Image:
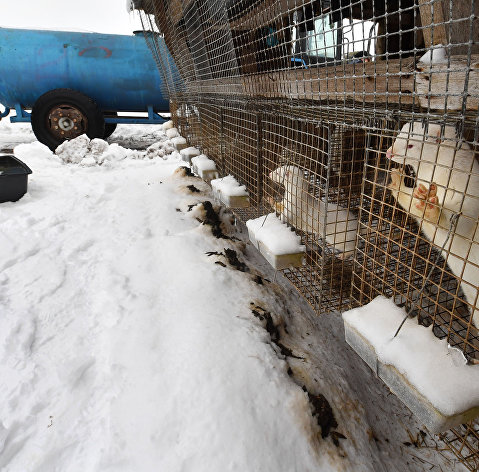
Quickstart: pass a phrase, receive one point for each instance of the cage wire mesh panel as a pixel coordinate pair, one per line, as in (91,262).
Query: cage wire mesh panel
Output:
(356,121)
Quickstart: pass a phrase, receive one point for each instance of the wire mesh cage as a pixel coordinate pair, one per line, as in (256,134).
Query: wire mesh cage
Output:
(356,122)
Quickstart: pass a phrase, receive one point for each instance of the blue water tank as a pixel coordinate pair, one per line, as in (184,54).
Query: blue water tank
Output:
(117,71)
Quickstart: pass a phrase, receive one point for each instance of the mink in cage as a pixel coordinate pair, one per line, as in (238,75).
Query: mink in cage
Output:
(445,200)
(307,213)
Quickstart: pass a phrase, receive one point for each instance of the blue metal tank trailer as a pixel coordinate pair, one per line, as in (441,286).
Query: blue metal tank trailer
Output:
(76,83)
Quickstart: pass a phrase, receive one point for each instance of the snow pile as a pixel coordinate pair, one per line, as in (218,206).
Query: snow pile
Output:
(436,370)
(229,186)
(160,149)
(91,152)
(274,234)
(123,347)
(436,55)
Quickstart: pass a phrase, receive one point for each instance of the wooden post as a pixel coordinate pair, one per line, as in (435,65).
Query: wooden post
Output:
(441,26)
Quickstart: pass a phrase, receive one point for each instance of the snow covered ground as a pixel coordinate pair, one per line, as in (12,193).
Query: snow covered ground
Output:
(128,342)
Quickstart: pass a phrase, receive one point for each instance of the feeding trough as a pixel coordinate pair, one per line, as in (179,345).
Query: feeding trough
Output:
(13,178)
(230,192)
(432,379)
(278,244)
(204,167)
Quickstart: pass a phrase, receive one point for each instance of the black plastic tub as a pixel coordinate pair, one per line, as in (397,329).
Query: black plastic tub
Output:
(13,178)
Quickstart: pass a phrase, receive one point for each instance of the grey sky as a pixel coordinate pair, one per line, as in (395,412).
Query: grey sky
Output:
(102,16)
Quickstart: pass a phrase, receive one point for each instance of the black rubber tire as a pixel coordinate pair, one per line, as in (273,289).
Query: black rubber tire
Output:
(110,127)
(80,115)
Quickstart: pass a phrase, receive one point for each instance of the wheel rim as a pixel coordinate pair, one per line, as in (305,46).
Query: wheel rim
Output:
(66,122)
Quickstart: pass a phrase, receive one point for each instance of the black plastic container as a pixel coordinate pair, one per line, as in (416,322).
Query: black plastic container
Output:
(13,178)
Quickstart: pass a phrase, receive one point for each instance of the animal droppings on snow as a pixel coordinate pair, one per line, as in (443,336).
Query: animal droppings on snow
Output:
(183,171)
(273,233)
(436,55)
(436,370)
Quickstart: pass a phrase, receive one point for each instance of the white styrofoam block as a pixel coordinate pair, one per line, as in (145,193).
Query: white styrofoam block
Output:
(208,175)
(230,192)
(204,168)
(167,125)
(281,261)
(429,377)
(172,133)
(179,142)
(188,153)
(278,244)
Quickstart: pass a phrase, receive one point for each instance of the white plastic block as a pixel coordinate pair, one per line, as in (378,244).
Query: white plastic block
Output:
(172,133)
(179,142)
(188,153)
(278,244)
(234,201)
(281,261)
(429,377)
(208,175)
(205,168)
(230,192)
(167,125)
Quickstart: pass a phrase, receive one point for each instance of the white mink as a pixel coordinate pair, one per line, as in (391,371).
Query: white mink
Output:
(447,183)
(306,213)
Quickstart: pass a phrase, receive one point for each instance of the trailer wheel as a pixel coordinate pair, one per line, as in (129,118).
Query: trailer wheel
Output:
(64,114)
(110,127)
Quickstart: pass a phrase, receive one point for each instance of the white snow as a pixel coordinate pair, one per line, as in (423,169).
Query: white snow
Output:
(118,350)
(437,371)
(229,186)
(90,152)
(275,235)
(435,55)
